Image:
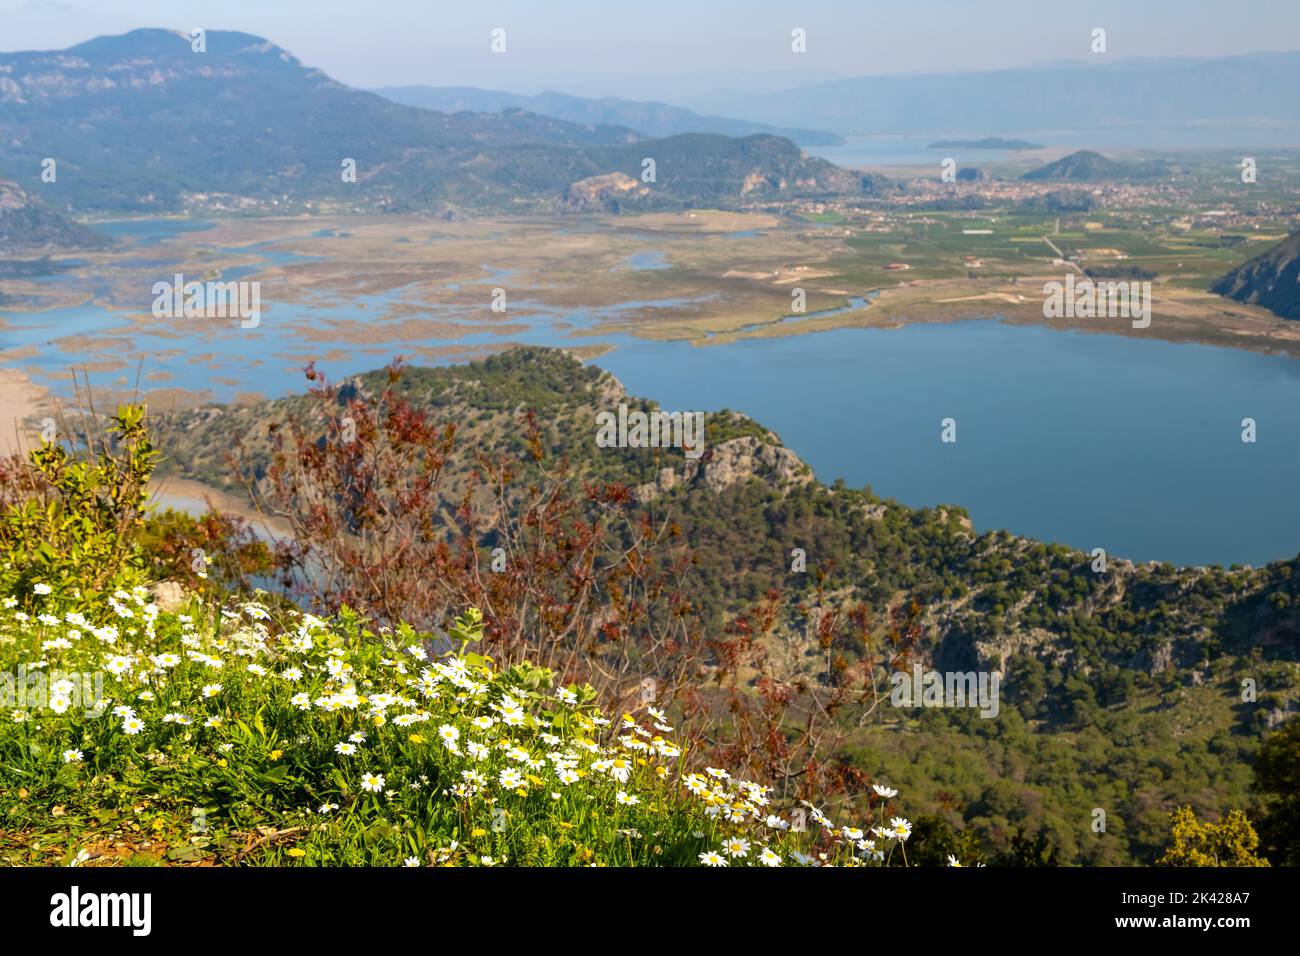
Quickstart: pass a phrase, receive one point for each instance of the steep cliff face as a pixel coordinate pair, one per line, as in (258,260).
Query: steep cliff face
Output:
(1271,280)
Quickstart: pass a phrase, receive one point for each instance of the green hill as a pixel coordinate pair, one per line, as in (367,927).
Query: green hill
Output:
(1122,689)
(1087,166)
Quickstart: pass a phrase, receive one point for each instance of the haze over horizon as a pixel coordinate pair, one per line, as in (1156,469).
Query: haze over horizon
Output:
(586,50)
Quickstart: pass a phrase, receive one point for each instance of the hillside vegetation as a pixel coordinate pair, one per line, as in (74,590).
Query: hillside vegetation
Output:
(1123,688)
(164,724)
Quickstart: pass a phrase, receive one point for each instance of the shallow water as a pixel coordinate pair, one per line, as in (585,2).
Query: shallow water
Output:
(1090,440)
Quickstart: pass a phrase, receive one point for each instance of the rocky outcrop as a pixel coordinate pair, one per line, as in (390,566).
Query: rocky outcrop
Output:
(595,191)
(728,463)
(740,459)
(665,481)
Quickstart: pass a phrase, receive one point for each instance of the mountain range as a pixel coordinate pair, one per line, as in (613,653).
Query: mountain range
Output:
(143,123)
(1250,91)
(650,119)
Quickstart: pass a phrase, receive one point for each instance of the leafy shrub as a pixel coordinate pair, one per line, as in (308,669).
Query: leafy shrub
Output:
(74,521)
(1230,842)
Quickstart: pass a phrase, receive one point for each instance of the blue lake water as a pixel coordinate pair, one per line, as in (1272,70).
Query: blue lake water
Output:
(149,232)
(1085,439)
(652,259)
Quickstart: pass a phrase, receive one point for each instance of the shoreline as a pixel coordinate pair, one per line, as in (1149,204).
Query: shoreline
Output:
(433,292)
(707,294)
(184,494)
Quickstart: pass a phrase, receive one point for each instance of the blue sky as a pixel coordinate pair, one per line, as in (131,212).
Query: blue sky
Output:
(649,47)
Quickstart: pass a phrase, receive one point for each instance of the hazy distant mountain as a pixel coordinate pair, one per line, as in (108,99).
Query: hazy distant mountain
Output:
(1271,279)
(648,118)
(29,225)
(667,82)
(1087,166)
(141,122)
(1239,90)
